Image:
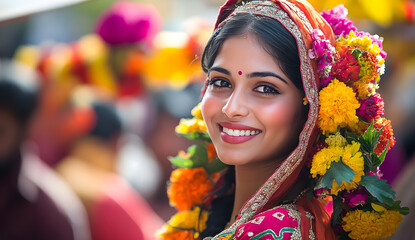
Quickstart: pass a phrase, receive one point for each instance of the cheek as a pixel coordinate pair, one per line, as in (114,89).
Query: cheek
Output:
(210,107)
(278,115)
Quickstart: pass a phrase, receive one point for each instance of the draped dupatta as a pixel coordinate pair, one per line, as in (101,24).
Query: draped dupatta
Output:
(300,19)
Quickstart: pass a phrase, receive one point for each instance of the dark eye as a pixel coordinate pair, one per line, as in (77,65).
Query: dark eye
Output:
(220,83)
(266,89)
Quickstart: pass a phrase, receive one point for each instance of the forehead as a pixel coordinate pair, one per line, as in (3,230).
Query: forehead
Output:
(245,53)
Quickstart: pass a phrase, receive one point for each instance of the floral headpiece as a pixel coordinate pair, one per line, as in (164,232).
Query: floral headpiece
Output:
(353,141)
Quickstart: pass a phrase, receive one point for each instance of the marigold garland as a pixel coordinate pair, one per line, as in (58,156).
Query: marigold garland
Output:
(371,225)
(351,108)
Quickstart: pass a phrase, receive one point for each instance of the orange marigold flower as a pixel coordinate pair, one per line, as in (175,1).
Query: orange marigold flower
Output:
(387,134)
(188,187)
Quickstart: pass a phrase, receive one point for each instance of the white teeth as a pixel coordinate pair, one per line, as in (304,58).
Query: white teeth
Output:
(237,133)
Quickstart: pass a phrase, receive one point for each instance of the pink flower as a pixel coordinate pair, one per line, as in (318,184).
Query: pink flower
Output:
(337,18)
(356,197)
(371,107)
(323,52)
(128,22)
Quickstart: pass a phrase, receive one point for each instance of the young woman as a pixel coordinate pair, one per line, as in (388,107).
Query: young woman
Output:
(288,105)
(254,112)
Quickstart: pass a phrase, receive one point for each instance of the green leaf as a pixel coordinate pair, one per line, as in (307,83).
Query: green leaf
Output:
(338,172)
(369,139)
(356,53)
(397,206)
(379,189)
(375,161)
(199,155)
(216,165)
(383,154)
(181,162)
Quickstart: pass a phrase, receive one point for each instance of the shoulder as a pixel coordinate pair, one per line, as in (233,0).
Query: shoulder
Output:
(282,222)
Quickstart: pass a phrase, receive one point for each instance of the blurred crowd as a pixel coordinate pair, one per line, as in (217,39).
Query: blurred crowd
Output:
(87,125)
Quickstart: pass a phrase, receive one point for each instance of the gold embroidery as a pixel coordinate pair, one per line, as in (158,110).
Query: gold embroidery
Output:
(293,212)
(311,234)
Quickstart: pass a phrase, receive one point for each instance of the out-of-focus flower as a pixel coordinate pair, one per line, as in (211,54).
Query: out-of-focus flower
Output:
(128,22)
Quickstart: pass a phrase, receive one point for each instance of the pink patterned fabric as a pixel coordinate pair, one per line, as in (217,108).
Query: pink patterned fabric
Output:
(277,223)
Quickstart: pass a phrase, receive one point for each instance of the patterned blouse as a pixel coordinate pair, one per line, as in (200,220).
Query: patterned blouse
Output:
(282,222)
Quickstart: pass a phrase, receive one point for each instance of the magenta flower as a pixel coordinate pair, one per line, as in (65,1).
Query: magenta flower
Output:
(323,52)
(128,22)
(337,18)
(371,107)
(356,197)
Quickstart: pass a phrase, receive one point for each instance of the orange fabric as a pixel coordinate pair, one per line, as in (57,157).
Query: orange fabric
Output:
(322,226)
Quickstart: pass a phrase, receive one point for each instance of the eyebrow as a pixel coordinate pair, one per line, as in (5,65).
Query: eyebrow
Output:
(266,74)
(219,69)
(250,75)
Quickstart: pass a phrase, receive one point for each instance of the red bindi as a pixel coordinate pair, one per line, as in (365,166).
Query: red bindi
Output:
(240,72)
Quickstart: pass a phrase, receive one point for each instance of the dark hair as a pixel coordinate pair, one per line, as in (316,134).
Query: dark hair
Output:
(274,38)
(282,46)
(108,122)
(18,90)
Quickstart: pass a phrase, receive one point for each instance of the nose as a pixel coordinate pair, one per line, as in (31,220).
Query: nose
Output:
(235,106)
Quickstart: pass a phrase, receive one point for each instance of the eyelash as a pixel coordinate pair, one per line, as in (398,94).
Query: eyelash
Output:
(273,90)
(213,81)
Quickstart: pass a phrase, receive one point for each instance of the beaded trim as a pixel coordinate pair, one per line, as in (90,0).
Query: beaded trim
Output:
(262,196)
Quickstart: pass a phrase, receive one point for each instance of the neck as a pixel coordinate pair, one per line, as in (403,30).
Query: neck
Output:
(248,179)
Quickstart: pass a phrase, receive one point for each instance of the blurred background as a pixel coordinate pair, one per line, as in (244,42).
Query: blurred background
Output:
(95,89)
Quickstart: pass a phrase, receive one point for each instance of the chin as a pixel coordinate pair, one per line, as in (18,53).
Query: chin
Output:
(235,158)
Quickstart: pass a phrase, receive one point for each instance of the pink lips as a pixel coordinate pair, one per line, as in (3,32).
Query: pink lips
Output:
(235,139)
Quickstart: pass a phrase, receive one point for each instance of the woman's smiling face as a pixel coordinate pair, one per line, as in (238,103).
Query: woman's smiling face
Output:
(253,111)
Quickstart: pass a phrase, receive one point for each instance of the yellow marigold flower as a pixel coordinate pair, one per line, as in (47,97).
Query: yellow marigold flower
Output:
(188,187)
(371,225)
(190,219)
(323,159)
(191,126)
(353,158)
(338,106)
(336,140)
(361,43)
(170,233)
(363,90)
(197,111)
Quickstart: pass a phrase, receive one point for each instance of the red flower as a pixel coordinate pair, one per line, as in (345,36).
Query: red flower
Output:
(346,68)
(387,134)
(371,107)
